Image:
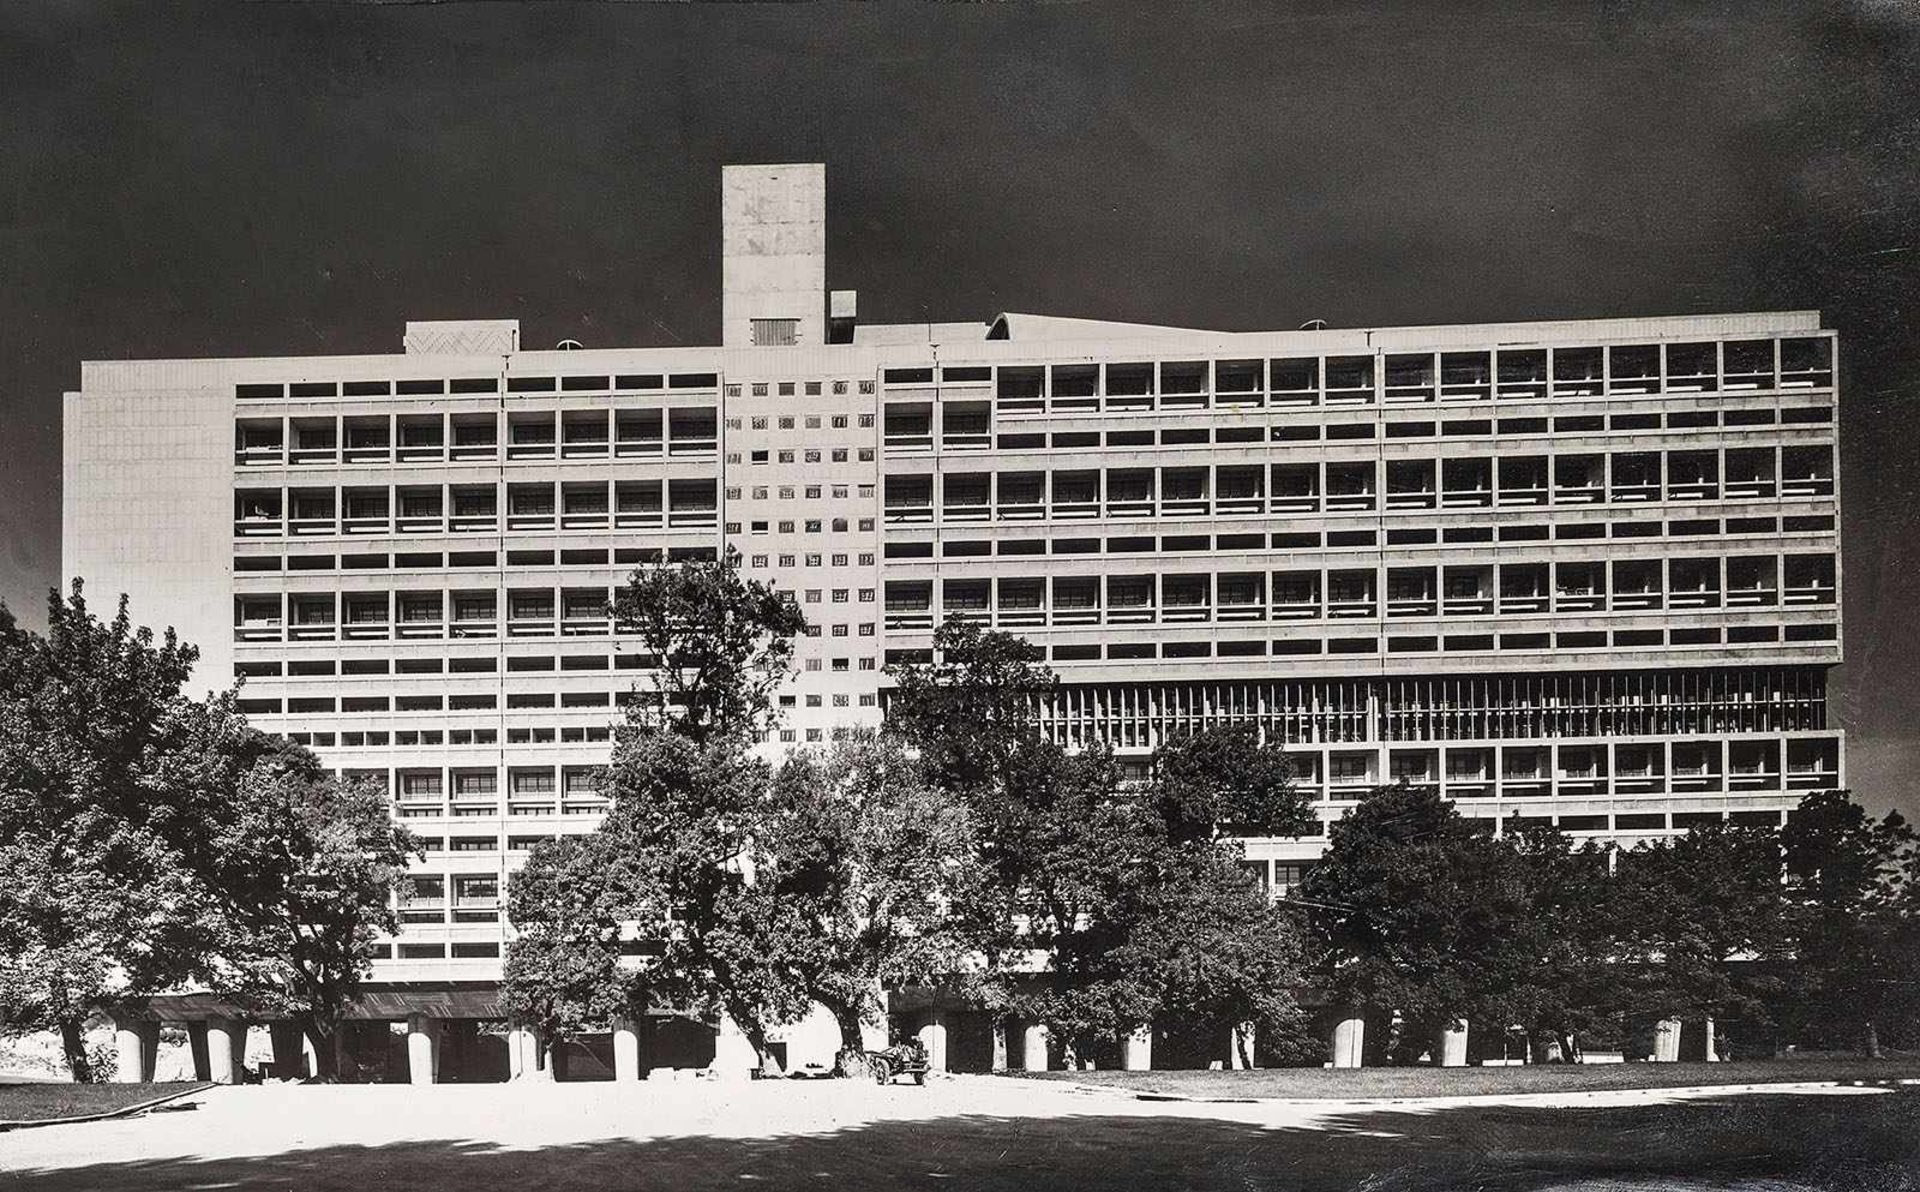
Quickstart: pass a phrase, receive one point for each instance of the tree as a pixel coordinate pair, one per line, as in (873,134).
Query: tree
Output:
(876,858)
(975,709)
(1221,780)
(674,863)
(94,899)
(721,643)
(298,869)
(1560,980)
(1417,909)
(1700,920)
(563,972)
(683,876)
(1133,894)
(1851,880)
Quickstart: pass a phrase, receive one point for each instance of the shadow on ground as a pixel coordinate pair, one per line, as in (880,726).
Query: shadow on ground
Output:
(1868,1143)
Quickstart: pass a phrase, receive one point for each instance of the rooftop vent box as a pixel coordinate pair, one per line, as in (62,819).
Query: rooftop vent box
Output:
(841,316)
(463,337)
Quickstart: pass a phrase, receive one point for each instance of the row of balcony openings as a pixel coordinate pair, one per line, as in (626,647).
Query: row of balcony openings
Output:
(970,426)
(1533,641)
(1505,589)
(1798,362)
(1751,473)
(678,504)
(691,431)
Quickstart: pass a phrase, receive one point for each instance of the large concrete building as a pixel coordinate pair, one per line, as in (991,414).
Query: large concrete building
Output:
(1580,572)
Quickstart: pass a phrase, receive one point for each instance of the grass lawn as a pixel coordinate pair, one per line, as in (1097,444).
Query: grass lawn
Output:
(37,1101)
(1327,1084)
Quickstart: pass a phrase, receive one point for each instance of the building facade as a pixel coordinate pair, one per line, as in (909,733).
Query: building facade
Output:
(1580,572)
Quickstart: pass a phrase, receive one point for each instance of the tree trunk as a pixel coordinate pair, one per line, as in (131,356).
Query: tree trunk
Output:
(852,1057)
(73,1041)
(328,1042)
(757,1038)
(1870,1040)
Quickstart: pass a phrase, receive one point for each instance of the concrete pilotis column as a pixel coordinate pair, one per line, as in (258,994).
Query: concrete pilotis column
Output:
(626,1050)
(423,1049)
(136,1047)
(523,1054)
(1713,1051)
(1349,1042)
(1666,1041)
(226,1048)
(311,1056)
(540,1059)
(1453,1045)
(1136,1050)
(933,1037)
(998,1063)
(733,1056)
(1033,1056)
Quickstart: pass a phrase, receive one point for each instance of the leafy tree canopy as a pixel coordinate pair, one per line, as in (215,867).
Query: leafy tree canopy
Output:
(95,901)
(726,642)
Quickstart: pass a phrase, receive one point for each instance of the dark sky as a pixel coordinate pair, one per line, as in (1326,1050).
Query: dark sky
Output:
(294,178)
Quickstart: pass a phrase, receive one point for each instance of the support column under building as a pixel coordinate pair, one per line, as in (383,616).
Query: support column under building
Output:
(1712,1041)
(1453,1045)
(1349,1041)
(137,1050)
(525,1060)
(1136,1050)
(1666,1041)
(226,1050)
(626,1050)
(998,1061)
(733,1055)
(933,1037)
(1033,1054)
(423,1049)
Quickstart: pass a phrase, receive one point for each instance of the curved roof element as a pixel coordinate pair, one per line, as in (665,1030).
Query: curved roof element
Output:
(1015,326)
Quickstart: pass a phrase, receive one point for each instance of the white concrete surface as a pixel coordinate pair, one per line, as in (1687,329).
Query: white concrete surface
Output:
(236,1124)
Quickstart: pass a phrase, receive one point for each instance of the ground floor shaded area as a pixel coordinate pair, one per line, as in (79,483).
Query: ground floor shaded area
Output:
(969,1132)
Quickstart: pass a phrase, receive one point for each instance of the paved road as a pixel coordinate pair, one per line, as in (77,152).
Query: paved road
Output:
(967,1132)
